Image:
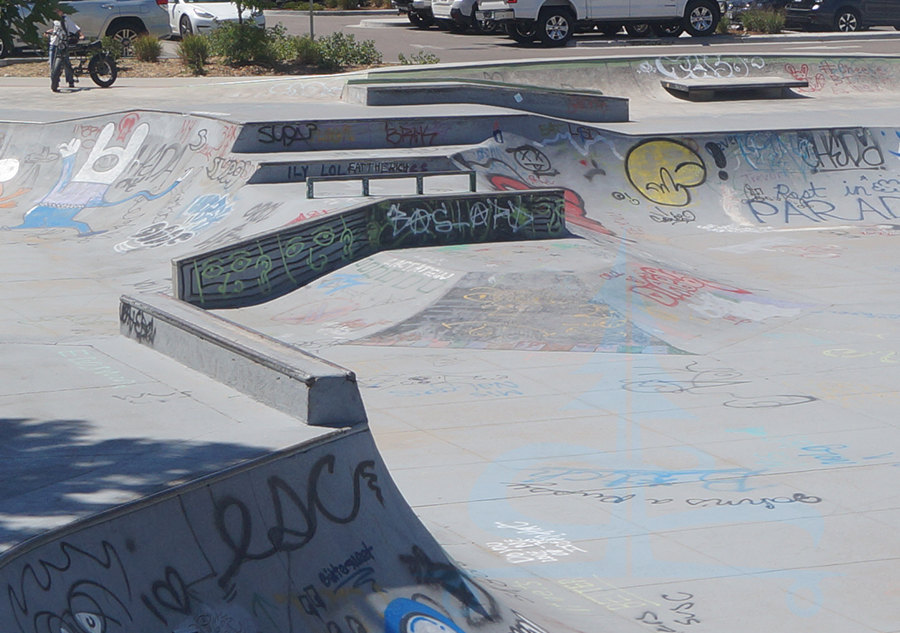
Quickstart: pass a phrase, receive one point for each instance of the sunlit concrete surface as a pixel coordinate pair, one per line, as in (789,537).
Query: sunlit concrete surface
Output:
(678,416)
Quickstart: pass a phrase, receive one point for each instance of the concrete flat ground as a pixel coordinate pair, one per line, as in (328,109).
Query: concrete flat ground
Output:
(681,417)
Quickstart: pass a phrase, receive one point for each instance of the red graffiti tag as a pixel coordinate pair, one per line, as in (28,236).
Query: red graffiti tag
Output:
(670,288)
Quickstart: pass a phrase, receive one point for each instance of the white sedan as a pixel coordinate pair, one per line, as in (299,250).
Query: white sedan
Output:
(188,17)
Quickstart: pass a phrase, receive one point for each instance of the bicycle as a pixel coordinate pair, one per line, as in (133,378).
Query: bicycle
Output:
(99,64)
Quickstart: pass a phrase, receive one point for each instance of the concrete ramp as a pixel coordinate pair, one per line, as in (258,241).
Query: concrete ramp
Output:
(315,538)
(681,417)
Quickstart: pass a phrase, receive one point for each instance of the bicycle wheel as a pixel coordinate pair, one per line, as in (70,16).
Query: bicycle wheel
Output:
(103,69)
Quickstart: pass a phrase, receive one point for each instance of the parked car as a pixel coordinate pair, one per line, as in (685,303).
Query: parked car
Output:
(553,24)
(842,15)
(417,11)
(459,16)
(191,17)
(123,20)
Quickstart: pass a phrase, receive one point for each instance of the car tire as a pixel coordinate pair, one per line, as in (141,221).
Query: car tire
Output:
(668,29)
(5,48)
(482,27)
(523,33)
(847,21)
(420,20)
(184,26)
(125,33)
(701,17)
(457,27)
(555,27)
(638,30)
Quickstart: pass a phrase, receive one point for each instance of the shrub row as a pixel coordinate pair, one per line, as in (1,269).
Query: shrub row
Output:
(242,44)
(763,20)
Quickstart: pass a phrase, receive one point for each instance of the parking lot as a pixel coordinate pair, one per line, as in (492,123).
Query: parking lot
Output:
(393,34)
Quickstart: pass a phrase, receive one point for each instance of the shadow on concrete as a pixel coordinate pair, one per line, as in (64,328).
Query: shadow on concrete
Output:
(85,476)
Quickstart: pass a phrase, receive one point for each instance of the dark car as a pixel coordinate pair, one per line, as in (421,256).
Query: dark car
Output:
(842,15)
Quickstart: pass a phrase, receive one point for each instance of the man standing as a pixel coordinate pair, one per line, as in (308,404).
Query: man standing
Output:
(60,32)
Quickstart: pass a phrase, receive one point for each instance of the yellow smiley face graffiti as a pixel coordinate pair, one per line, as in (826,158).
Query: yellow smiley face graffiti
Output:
(664,171)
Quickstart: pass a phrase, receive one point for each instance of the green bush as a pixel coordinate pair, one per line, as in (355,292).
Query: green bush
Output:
(338,51)
(302,6)
(194,51)
(146,48)
(420,57)
(763,20)
(241,44)
(112,46)
(724,26)
(306,51)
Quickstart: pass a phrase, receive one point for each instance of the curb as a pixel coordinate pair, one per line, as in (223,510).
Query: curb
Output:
(277,12)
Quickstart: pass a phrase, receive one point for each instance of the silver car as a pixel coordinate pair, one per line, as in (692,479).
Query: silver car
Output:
(123,20)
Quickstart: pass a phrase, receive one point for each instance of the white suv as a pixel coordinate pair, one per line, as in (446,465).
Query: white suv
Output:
(553,22)
(459,16)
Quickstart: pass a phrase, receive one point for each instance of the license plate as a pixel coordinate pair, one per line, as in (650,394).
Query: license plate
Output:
(494,15)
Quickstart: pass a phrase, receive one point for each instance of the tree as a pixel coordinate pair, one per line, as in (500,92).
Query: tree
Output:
(25,19)
(253,5)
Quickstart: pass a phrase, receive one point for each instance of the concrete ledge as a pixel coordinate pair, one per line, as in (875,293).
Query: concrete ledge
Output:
(708,88)
(278,375)
(587,106)
(272,264)
(270,172)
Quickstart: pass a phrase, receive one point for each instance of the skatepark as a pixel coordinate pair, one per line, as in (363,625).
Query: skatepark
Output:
(589,356)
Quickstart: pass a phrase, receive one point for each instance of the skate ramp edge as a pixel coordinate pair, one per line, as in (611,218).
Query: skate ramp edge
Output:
(581,105)
(314,538)
(272,264)
(639,76)
(279,375)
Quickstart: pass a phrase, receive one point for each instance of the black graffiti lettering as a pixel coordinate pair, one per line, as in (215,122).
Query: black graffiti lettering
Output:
(524,625)
(286,133)
(452,580)
(840,149)
(94,600)
(229,170)
(138,323)
(664,216)
(766,502)
(534,160)
(409,135)
(172,593)
(312,602)
(151,164)
(287,534)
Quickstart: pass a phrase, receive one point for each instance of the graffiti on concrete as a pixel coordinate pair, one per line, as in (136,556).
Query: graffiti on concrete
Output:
(87,187)
(269,266)
(703,66)
(328,546)
(9,168)
(664,171)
